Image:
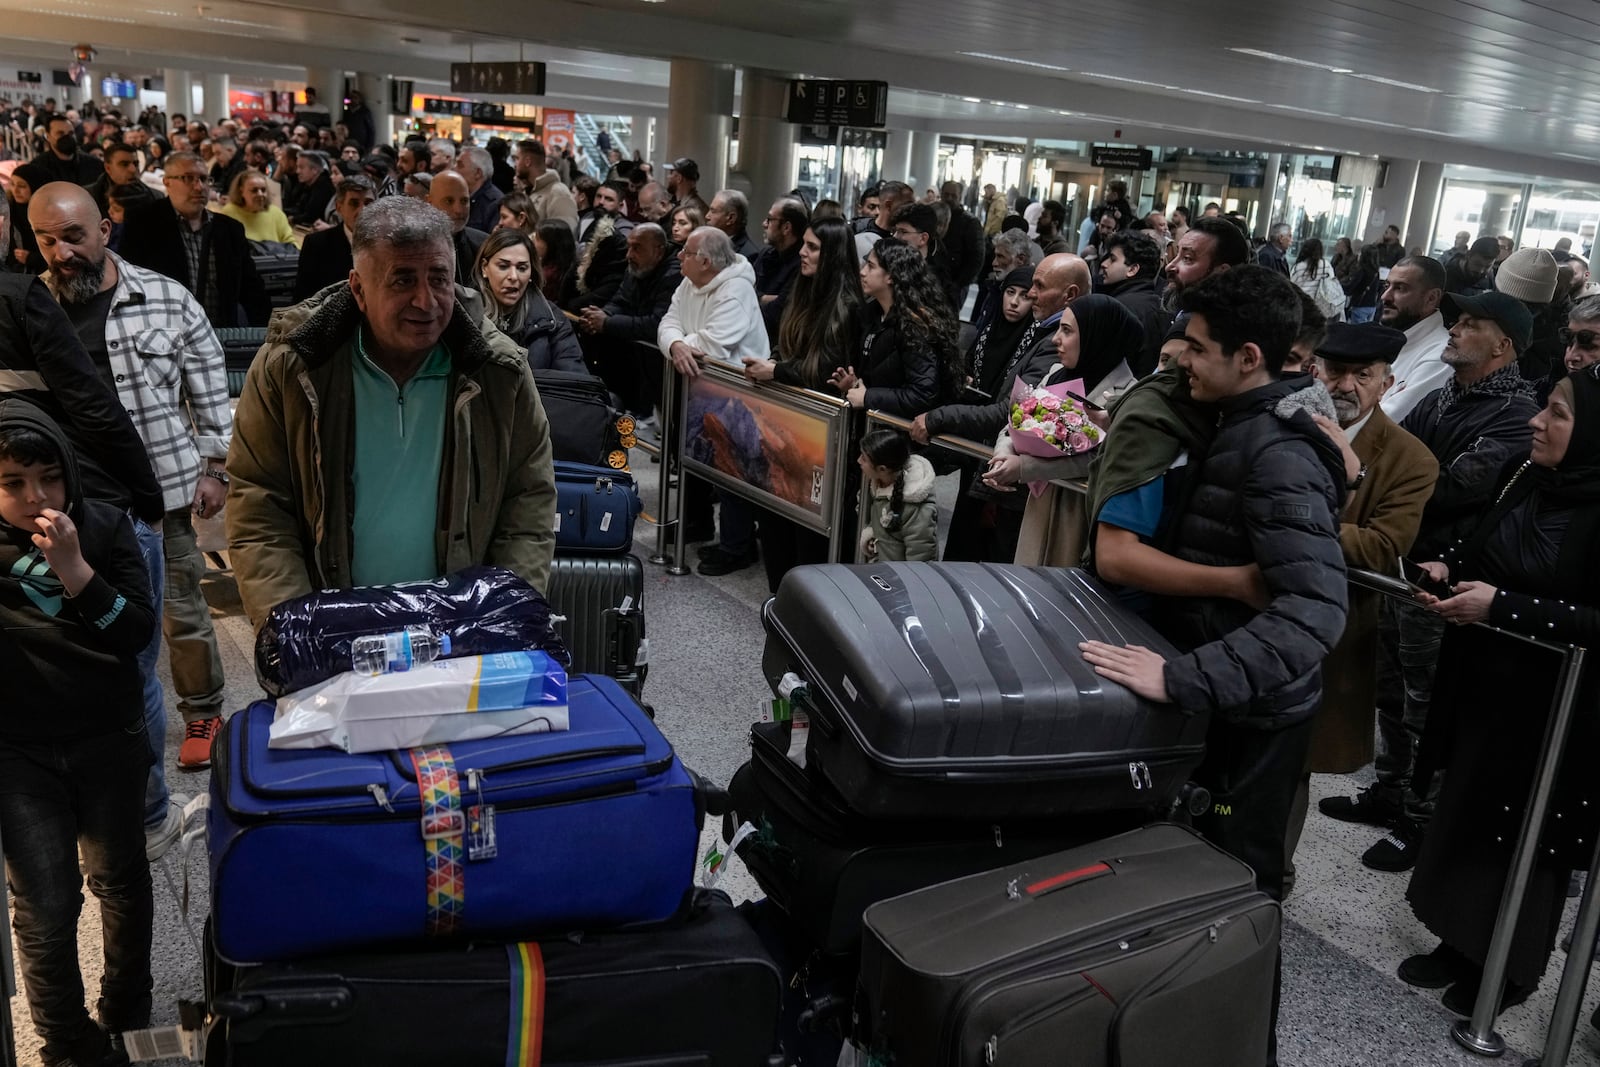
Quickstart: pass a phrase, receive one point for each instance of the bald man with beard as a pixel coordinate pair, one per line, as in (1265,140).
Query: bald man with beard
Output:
(452,194)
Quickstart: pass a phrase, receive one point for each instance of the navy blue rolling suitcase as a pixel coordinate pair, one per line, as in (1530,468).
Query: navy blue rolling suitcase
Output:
(316,850)
(595,509)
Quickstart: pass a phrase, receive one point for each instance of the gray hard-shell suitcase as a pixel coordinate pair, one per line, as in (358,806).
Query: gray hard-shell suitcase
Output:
(1149,949)
(956,690)
(601,600)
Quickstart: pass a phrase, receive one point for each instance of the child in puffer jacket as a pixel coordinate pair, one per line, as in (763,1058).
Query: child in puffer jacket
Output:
(903,519)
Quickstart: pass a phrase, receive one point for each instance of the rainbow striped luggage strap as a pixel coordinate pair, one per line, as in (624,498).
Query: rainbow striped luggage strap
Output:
(444,827)
(525,1035)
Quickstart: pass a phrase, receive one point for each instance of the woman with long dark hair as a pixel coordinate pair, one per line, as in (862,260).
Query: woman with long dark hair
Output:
(818,334)
(506,265)
(558,261)
(909,361)
(1315,277)
(1528,569)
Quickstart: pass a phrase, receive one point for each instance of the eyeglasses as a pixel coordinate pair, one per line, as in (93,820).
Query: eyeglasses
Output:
(774,218)
(687,255)
(187,179)
(1585,339)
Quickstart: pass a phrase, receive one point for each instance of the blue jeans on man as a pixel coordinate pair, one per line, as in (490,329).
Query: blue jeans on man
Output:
(156,797)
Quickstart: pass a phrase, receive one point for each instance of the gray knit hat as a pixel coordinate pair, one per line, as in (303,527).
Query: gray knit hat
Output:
(1529,274)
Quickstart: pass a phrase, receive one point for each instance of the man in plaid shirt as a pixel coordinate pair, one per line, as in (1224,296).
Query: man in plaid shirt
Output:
(151,340)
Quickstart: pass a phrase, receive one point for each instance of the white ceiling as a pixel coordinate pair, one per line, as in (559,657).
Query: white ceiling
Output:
(1504,84)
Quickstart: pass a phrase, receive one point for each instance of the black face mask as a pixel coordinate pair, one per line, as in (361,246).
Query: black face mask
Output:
(65,145)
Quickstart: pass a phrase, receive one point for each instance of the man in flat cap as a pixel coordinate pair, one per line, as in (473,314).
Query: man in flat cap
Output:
(1377,526)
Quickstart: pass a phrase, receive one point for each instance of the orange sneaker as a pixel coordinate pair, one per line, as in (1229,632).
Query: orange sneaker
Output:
(195,754)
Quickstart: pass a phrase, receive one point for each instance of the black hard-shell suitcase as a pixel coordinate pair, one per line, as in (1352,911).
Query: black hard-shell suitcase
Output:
(583,424)
(1149,949)
(239,347)
(957,690)
(701,994)
(602,598)
(277,263)
(823,864)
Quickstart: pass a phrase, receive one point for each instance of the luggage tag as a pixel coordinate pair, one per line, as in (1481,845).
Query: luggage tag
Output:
(791,693)
(482,843)
(716,861)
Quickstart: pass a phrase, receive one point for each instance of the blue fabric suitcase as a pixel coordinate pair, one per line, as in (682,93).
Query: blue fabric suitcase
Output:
(316,851)
(595,509)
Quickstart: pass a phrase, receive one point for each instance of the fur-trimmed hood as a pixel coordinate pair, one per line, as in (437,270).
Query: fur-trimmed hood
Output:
(918,487)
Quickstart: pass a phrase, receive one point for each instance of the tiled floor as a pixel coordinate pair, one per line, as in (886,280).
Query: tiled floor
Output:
(1346,927)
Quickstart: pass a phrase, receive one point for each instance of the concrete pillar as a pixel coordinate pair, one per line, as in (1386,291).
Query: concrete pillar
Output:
(180,92)
(1391,205)
(924,165)
(214,90)
(766,141)
(700,103)
(897,155)
(329,84)
(1495,220)
(1424,207)
(1270,177)
(375,88)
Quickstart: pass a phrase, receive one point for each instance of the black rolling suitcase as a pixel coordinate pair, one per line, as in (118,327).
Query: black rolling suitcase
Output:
(583,424)
(239,347)
(277,263)
(956,690)
(601,598)
(701,994)
(1145,950)
(823,864)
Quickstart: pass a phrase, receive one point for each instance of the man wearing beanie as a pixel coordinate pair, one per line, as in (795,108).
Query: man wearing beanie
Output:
(1531,275)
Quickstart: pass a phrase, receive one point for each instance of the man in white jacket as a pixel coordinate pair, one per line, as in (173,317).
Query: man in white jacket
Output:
(1410,303)
(715,314)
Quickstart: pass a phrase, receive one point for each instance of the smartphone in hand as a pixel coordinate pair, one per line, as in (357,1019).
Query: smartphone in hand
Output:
(1085,401)
(1422,582)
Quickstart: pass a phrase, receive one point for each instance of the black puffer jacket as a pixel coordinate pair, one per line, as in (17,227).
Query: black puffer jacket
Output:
(1269,493)
(981,422)
(902,378)
(548,337)
(1473,434)
(642,302)
(1139,296)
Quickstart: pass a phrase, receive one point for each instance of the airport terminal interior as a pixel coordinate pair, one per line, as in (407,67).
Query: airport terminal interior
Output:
(1316,121)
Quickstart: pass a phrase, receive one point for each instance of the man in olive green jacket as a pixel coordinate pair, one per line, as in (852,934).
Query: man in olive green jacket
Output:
(384,434)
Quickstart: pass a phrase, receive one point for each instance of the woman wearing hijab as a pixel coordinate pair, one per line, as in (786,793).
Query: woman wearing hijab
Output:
(1528,568)
(23,256)
(990,355)
(1096,336)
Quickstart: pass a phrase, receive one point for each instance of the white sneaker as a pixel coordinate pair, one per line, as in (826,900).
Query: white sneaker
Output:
(157,839)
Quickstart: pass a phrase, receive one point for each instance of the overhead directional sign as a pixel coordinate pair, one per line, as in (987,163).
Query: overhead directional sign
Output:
(476,110)
(1121,157)
(831,103)
(520,78)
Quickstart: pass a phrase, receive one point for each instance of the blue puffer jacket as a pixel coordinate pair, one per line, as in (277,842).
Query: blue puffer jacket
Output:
(1268,492)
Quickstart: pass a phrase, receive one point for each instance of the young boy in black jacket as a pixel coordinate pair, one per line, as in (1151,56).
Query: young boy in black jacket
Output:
(75,611)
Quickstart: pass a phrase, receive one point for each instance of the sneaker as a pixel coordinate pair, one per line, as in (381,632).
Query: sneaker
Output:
(1461,997)
(725,563)
(159,838)
(1442,967)
(646,426)
(1373,806)
(1398,851)
(195,753)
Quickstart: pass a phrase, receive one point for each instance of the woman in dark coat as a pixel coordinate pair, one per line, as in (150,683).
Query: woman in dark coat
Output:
(1527,568)
(909,361)
(507,264)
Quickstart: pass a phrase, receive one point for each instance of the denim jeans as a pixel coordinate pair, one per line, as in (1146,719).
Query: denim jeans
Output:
(57,799)
(1359,315)
(1408,656)
(155,700)
(186,624)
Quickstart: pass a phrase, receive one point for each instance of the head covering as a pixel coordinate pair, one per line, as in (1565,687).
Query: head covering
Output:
(1022,276)
(1509,312)
(686,167)
(1529,274)
(1366,343)
(1107,335)
(1576,479)
(992,352)
(34,175)
(19,414)
(1178,330)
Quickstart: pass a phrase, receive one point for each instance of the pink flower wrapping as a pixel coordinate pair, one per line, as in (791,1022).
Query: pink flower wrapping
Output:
(1055,423)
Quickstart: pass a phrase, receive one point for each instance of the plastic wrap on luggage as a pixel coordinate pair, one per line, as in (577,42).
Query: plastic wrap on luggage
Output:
(481,609)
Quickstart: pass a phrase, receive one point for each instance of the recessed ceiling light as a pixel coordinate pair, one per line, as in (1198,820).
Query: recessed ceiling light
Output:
(1294,62)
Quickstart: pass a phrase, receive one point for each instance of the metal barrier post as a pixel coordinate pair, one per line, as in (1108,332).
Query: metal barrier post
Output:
(1574,977)
(1477,1034)
(680,547)
(668,456)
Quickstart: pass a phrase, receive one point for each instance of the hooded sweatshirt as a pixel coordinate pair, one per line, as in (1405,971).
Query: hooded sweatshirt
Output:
(721,318)
(913,534)
(72,657)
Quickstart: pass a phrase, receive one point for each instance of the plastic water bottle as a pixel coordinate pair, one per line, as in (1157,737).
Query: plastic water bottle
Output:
(398,651)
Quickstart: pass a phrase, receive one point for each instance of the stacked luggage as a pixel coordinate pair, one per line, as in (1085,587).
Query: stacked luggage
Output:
(944,724)
(596,583)
(533,889)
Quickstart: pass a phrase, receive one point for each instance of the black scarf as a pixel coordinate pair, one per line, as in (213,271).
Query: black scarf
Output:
(1107,335)
(1000,339)
(1576,479)
(1507,381)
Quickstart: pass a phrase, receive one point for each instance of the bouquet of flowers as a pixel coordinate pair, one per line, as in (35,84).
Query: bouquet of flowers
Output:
(1047,423)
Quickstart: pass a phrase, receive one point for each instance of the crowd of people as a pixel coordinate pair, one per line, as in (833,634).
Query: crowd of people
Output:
(1272,417)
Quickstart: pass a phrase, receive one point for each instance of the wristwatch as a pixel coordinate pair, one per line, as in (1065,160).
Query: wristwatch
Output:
(222,475)
(1361,476)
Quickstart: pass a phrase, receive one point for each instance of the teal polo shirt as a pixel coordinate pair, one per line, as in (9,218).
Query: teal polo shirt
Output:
(399,448)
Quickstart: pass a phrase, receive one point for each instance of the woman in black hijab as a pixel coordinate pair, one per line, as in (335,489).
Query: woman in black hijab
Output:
(991,353)
(1528,568)
(1096,336)
(22,254)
